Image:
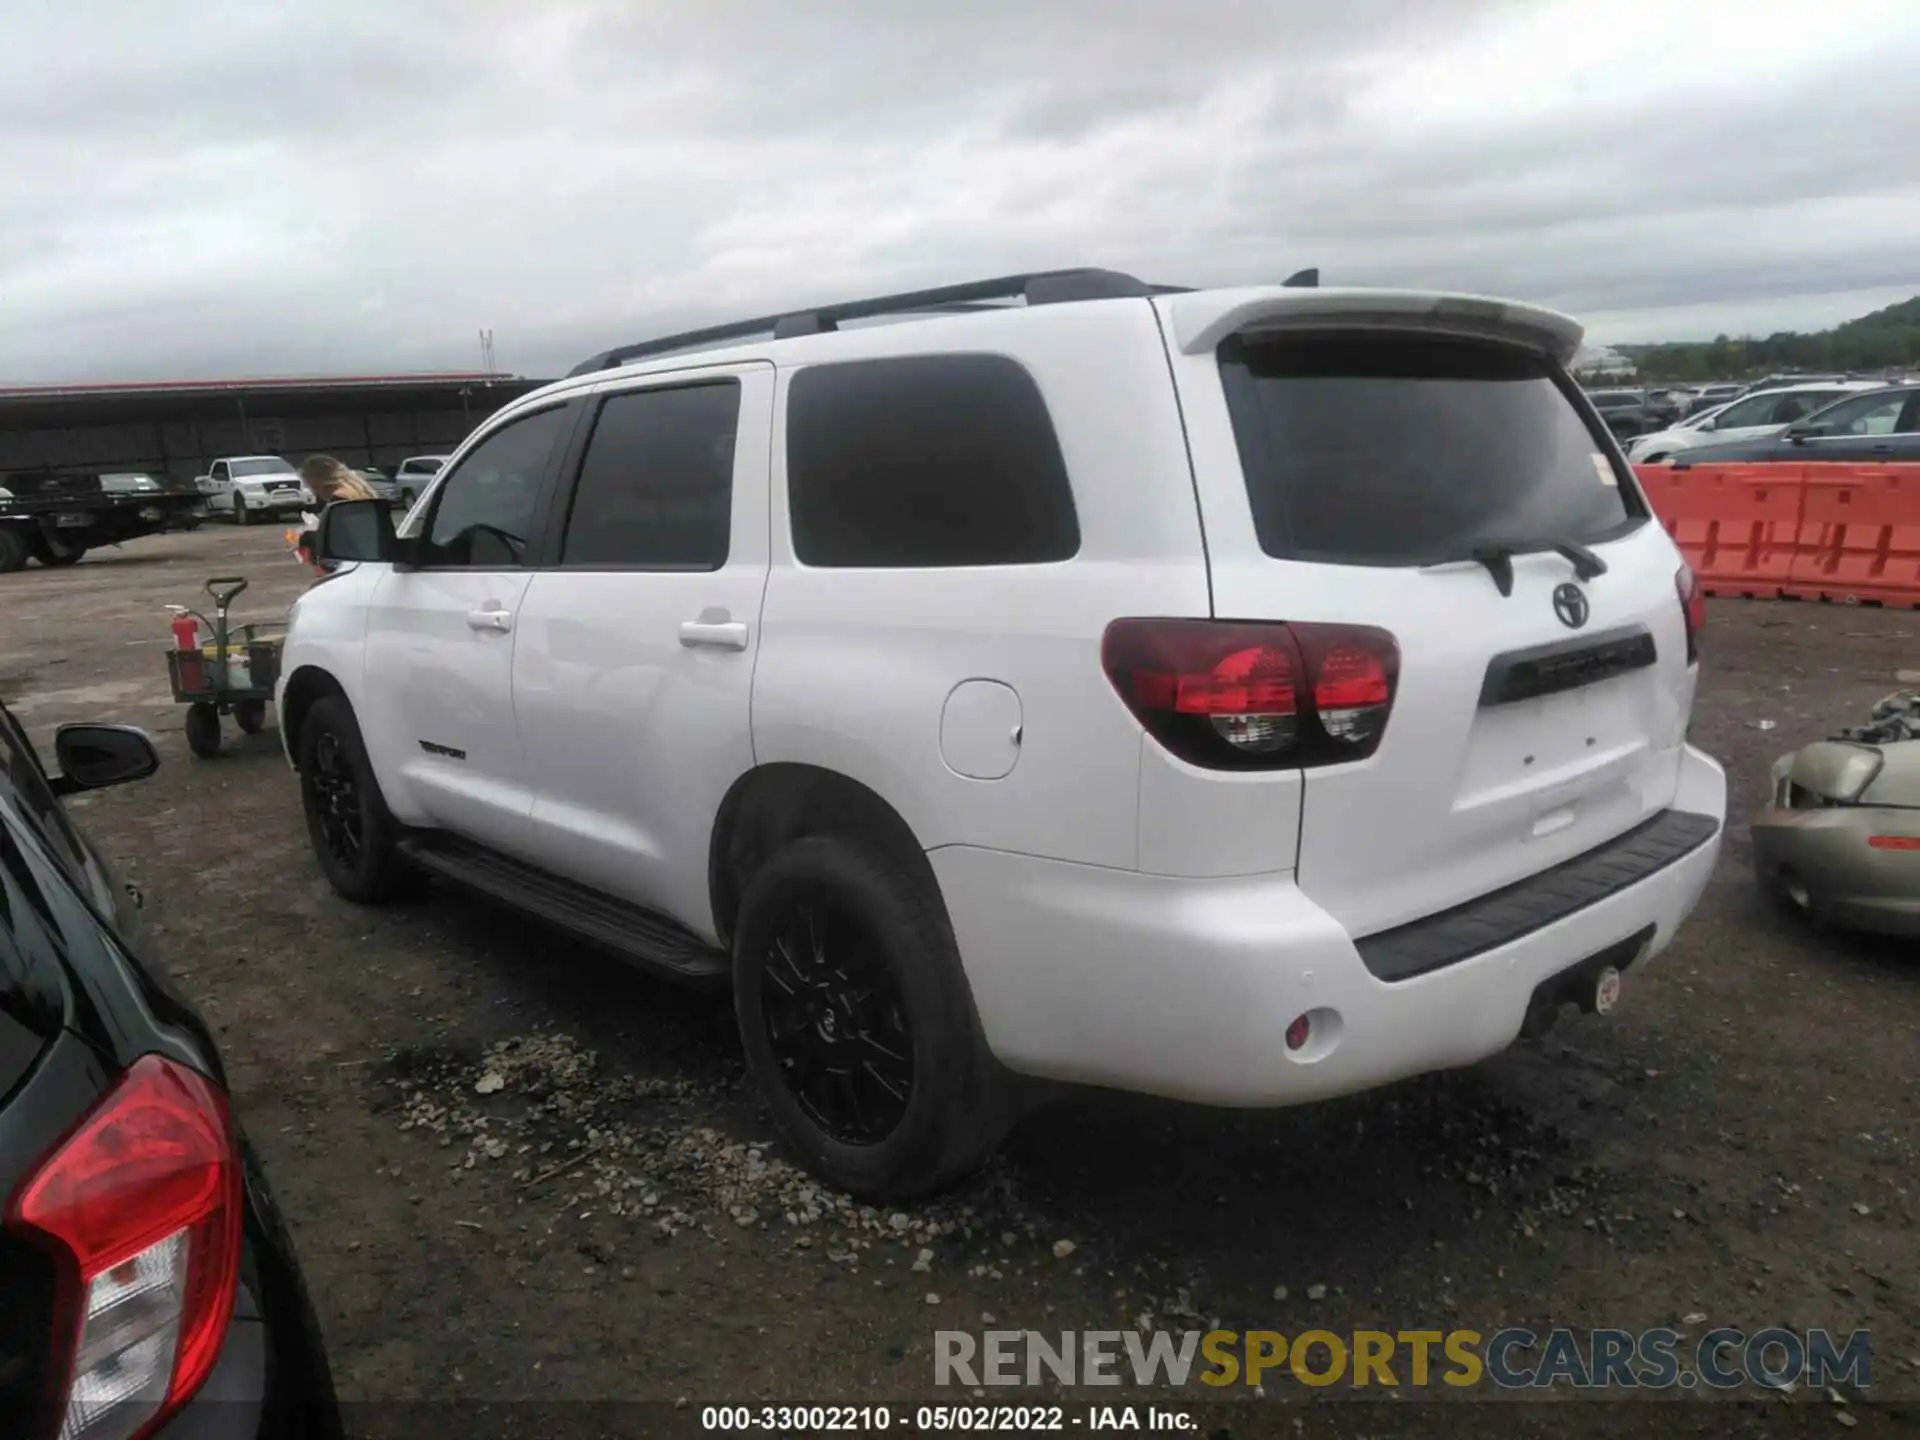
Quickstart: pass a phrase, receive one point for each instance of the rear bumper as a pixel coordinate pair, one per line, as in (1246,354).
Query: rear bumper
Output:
(1847,880)
(232,1403)
(251,1397)
(1185,988)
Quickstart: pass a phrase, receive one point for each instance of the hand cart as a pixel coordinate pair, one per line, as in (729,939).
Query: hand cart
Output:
(233,673)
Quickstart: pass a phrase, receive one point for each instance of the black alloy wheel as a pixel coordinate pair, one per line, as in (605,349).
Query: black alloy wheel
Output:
(335,801)
(837,1024)
(354,835)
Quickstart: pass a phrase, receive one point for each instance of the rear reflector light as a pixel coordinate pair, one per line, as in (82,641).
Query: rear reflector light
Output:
(1299,1032)
(1895,842)
(1693,606)
(141,1208)
(1255,695)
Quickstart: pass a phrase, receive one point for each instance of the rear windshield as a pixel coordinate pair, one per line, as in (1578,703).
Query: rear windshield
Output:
(1396,449)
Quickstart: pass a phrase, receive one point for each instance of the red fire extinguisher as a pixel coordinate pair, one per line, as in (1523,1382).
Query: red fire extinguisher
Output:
(186,640)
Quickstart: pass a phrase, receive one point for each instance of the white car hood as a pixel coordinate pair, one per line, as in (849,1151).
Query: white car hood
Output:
(1681,439)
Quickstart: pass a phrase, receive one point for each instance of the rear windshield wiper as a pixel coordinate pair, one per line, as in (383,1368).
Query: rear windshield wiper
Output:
(1497,556)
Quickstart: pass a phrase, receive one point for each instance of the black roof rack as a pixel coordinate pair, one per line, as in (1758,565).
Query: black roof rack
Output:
(1045,287)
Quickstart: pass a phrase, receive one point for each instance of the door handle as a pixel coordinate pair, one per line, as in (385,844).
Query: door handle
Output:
(496,620)
(717,634)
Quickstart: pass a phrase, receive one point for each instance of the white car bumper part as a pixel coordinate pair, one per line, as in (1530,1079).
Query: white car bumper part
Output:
(1196,988)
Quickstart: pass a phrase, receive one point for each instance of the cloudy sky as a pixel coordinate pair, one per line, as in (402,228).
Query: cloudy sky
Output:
(190,187)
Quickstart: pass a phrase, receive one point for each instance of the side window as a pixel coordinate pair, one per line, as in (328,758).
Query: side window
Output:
(656,483)
(1748,412)
(1868,415)
(1792,407)
(219,471)
(1910,422)
(1880,419)
(485,509)
(925,461)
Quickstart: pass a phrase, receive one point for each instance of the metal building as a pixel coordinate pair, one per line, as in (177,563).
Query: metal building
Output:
(175,429)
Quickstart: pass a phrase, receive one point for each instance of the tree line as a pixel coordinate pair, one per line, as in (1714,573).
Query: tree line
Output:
(1885,339)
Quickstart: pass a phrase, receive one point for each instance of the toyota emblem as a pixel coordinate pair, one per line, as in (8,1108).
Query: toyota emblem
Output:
(1570,604)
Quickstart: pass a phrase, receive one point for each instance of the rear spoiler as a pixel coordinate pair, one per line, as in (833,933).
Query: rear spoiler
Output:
(1202,319)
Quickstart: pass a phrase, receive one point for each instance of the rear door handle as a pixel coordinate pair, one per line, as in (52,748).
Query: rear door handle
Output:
(485,619)
(717,634)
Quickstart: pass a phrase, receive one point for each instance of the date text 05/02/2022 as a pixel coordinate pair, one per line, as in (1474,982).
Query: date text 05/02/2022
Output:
(929,1419)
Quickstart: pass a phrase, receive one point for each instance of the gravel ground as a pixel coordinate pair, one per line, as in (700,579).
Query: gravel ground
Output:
(518,1173)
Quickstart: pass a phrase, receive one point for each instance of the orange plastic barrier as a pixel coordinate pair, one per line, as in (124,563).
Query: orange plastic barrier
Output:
(1821,531)
(1737,525)
(1859,535)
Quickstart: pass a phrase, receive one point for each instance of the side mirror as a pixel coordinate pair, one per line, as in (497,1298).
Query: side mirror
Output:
(355,532)
(92,757)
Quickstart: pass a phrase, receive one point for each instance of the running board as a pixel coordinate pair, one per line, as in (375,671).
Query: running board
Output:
(648,939)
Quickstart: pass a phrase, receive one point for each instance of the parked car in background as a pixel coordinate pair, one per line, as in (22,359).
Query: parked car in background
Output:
(56,517)
(1352,745)
(1626,412)
(1787,382)
(1638,448)
(379,481)
(1880,426)
(1711,397)
(414,474)
(1752,417)
(147,1281)
(1665,406)
(252,487)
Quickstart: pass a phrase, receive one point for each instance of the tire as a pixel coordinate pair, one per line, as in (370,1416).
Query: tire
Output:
(13,550)
(250,715)
(203,729)
(240,516)
(885,933)
(354,835)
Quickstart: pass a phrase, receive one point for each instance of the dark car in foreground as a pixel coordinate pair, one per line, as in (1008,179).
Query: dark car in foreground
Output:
(148,1288)
(1874,427)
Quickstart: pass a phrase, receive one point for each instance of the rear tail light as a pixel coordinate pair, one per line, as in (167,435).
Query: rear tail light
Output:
(1693,605)
(141,1207)
(1252,696)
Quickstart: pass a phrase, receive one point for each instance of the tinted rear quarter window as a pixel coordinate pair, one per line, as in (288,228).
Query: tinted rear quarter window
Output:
(656,483)
(926,461)
(1405,449)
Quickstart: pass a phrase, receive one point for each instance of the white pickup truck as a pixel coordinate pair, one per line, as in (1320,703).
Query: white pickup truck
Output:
(251,487)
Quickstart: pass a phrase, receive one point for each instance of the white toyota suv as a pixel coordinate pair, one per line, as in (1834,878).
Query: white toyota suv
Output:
(1247,696)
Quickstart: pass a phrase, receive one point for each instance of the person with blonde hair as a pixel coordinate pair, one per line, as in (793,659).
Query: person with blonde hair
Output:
(329,480)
